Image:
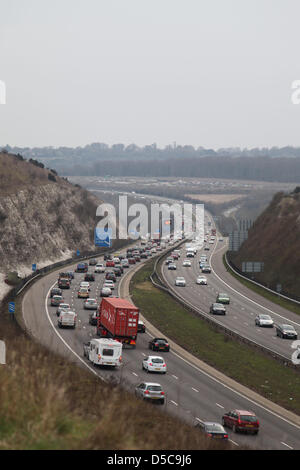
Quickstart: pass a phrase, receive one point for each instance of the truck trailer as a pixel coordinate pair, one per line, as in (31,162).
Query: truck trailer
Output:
(118,319)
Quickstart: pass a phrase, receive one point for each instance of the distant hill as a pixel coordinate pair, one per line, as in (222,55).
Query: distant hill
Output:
(99,159)
(275,240)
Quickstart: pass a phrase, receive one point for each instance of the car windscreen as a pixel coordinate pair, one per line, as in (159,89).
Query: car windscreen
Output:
(157,361)
(288,327)
(154,388)
(248,419)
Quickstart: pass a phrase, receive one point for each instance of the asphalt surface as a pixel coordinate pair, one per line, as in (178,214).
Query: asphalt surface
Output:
(244,304)
(191,393)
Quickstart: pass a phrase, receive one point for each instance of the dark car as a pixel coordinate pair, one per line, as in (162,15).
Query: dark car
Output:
(137,258)
(131,261)
(159,344)
(64,283)
(240,420)
(89,277)
(110,276)
(93,262)
(82,268)
(120,267)
(141,327)
(144,256)
(286,331)
(93,318)
(107,257)
(55,291)
(71,274)
(214,430)
(117,272)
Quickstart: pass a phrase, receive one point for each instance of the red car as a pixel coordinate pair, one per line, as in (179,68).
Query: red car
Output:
(240,420)
(110,264)
(131,261)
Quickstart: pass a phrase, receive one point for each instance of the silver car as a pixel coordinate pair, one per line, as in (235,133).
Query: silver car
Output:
(180,282)
(264,320)
(150,391)
(90,304)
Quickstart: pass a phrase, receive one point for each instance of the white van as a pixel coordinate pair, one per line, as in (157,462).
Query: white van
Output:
(104,352)
(67,319)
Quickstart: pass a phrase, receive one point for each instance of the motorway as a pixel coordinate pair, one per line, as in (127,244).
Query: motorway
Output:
(192,394)
(244,304)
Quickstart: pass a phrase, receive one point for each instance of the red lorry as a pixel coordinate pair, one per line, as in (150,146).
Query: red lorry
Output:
(213,231)
(118,319)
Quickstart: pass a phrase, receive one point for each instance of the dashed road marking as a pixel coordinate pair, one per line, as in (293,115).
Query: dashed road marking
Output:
(283,443)
(220,406)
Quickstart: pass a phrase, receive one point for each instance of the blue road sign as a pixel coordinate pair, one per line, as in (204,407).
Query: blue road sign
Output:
(11,307)
(78,253)
(34,268)
(103,237)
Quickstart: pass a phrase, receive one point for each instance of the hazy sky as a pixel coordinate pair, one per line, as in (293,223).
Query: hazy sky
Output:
(211,73)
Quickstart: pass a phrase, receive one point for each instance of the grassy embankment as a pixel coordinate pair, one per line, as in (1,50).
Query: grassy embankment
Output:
(242,363)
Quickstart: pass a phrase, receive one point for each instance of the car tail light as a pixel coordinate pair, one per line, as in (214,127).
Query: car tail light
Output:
(164,365)
(226,436)
(146,392)
(150,364)
(209,434)
(99,356)
(120,359)
(156,344)
(162,393)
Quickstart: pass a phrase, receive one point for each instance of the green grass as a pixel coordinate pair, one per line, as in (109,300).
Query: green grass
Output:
(242,363)
(276,299)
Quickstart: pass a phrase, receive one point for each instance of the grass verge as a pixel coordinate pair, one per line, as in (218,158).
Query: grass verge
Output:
(276,299)
(242,363)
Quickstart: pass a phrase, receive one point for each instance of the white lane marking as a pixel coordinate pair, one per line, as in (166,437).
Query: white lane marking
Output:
(235,443)
(195,390)
(174,403)
(220,406)
(135,374)
(283,443)
(175,377)
(200,420)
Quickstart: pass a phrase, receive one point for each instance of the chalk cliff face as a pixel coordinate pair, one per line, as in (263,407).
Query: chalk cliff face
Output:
(42,220)
(275,240)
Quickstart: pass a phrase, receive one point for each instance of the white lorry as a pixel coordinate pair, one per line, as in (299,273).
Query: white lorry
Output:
(103,352)
(67,319)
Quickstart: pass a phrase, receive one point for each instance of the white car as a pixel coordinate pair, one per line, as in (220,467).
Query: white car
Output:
(62,307)
(180,282)
(100,268)
(116,260)
(109,284)
(211,242)
(201,280)
(264,320)
(86,285)
(125,263)
(187,263)
(155,364)
(105,292)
